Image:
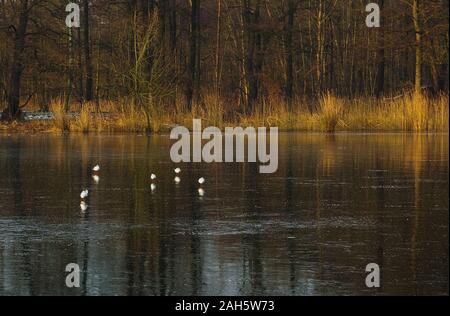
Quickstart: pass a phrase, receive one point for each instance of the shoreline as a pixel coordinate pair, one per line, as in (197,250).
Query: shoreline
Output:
(329,114)
(48,128)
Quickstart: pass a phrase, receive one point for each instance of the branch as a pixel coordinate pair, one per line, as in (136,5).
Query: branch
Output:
(26,103)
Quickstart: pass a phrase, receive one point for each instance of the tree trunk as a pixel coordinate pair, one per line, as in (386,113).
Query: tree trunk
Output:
(320,47)
(18,63)
(418,31)
(289,53)
(70,72)
(194,58)
(145,12)
(80,74)
(89,93)
(381,60)
(173,26)
(217,71)
(253,54)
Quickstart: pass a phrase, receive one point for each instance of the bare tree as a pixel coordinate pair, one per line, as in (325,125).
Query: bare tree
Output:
(289,28)
(418,33)
(381,59)
(17,66)
(89,93)
(193,83)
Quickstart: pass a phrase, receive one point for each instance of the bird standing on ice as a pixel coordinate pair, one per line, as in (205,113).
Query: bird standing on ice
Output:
(201,192)
(96,178)
(84,194)
(83,206)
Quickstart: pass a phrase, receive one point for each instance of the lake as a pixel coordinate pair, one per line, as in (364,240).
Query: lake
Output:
(336,204)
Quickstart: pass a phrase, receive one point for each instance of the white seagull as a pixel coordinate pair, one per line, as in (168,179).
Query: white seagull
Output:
(84,194)
(96,178)
(83,206)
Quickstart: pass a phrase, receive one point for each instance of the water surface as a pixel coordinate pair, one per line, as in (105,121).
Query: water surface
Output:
(336,204)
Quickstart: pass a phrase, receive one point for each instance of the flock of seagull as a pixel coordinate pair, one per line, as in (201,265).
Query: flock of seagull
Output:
(85,193)
(177,180)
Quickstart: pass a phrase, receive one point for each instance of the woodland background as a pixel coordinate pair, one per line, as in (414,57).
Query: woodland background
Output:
(174,55)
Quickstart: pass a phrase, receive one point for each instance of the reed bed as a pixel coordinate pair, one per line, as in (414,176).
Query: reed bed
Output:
(329,113)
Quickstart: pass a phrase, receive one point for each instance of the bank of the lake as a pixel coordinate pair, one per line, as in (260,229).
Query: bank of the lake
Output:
(329,113)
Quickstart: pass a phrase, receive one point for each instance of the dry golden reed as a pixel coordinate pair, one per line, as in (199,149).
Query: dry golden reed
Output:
(330,113)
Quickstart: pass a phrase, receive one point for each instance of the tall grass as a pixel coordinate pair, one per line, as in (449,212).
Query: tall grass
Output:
(409,113)
(330,112)
(61,121)
(84,122)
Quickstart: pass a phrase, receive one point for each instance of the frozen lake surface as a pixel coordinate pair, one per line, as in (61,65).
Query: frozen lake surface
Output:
(336,204)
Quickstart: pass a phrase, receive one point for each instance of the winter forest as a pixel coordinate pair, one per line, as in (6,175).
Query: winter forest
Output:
(156,61)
